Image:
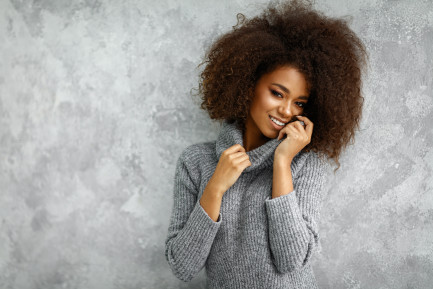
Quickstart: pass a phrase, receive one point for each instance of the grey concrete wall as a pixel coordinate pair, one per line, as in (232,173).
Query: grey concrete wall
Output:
(95,108)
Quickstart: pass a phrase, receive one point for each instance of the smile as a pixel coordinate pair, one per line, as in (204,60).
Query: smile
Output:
(277,121)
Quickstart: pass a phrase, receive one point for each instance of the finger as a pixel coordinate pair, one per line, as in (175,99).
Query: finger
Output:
(245,164)
(241,159)
(287,130)
(293,132)
(238,155)
(235,148)
(297,124)
(282,132)
(301,134)
(305,119)
(308,124)
(301,129)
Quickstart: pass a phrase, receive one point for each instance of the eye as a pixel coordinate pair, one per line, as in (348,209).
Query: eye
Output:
(276,93)
(301,104)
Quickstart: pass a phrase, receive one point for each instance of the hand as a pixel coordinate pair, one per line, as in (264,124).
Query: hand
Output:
(230,166)
(297,138)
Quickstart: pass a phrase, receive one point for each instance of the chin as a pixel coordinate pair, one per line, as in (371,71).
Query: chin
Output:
(270,134)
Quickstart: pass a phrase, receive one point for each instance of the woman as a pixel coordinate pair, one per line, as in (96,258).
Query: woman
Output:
(246,206)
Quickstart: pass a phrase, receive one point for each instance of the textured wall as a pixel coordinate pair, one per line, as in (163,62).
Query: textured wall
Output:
(95,108)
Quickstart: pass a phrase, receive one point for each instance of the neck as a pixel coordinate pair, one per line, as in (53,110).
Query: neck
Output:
(253,138)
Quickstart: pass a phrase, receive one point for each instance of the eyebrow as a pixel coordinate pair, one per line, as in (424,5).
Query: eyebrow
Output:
(286,90)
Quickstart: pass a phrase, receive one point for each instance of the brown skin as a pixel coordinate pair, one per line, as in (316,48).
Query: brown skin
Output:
(324,49)
(281,94)
(297,138)
(230,166)
(329,56)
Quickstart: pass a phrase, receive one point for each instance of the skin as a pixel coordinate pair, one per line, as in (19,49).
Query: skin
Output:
(283,94)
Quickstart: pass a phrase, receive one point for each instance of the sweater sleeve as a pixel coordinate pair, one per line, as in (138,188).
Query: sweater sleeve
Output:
(292,218)
(191,231)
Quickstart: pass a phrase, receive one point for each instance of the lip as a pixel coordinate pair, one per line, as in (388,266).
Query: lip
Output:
(276,126)
(279,119)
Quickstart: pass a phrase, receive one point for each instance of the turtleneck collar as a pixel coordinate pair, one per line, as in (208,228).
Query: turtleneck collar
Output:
(260,157)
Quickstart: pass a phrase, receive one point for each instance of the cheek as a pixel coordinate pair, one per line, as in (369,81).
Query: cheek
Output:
(266,103)
(298,110)
(257,105)
(255,109)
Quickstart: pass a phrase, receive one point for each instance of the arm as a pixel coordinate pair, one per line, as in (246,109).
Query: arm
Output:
(210,201)
(282,183)
(293,214)
(191,231)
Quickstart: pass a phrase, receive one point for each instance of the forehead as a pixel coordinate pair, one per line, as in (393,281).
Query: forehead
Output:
(289,77)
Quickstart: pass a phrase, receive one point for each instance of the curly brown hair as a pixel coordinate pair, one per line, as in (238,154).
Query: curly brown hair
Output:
(324,49)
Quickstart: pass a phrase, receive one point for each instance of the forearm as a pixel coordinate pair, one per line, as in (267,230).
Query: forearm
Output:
(288,234)
(292,217)
(191,231)
(188,244)
(282,183)
(211,201)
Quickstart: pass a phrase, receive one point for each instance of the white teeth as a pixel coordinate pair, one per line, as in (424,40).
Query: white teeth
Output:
(277,122)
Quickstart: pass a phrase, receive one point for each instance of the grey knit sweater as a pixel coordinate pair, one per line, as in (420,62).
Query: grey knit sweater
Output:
(257,241)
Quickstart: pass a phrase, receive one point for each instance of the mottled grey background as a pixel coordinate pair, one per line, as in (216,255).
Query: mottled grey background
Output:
(96,108)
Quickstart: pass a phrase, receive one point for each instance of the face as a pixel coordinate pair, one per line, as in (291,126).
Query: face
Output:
(279,95)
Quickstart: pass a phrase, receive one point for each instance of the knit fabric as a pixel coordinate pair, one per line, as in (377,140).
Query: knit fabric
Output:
(257,241)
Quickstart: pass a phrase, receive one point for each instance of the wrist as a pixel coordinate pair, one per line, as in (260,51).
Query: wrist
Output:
(281,161)
(213,190)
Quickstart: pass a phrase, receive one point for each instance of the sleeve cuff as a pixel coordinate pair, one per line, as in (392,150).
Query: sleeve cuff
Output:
(203,212)
(284,214)
(200,222)
(199,231)
(195,240)
(276,205)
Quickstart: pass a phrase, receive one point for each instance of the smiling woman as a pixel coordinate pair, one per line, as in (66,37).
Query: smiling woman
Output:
(328,54)
(279,96)
(246,206)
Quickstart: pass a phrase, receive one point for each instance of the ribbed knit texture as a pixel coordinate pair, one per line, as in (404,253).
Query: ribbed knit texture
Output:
(257,242)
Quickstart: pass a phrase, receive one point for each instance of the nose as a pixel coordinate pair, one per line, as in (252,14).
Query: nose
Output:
(285,109)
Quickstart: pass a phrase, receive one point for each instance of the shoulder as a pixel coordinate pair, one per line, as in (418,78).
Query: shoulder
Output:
(315,158)
(309,161)
(192,158)
(194,154)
